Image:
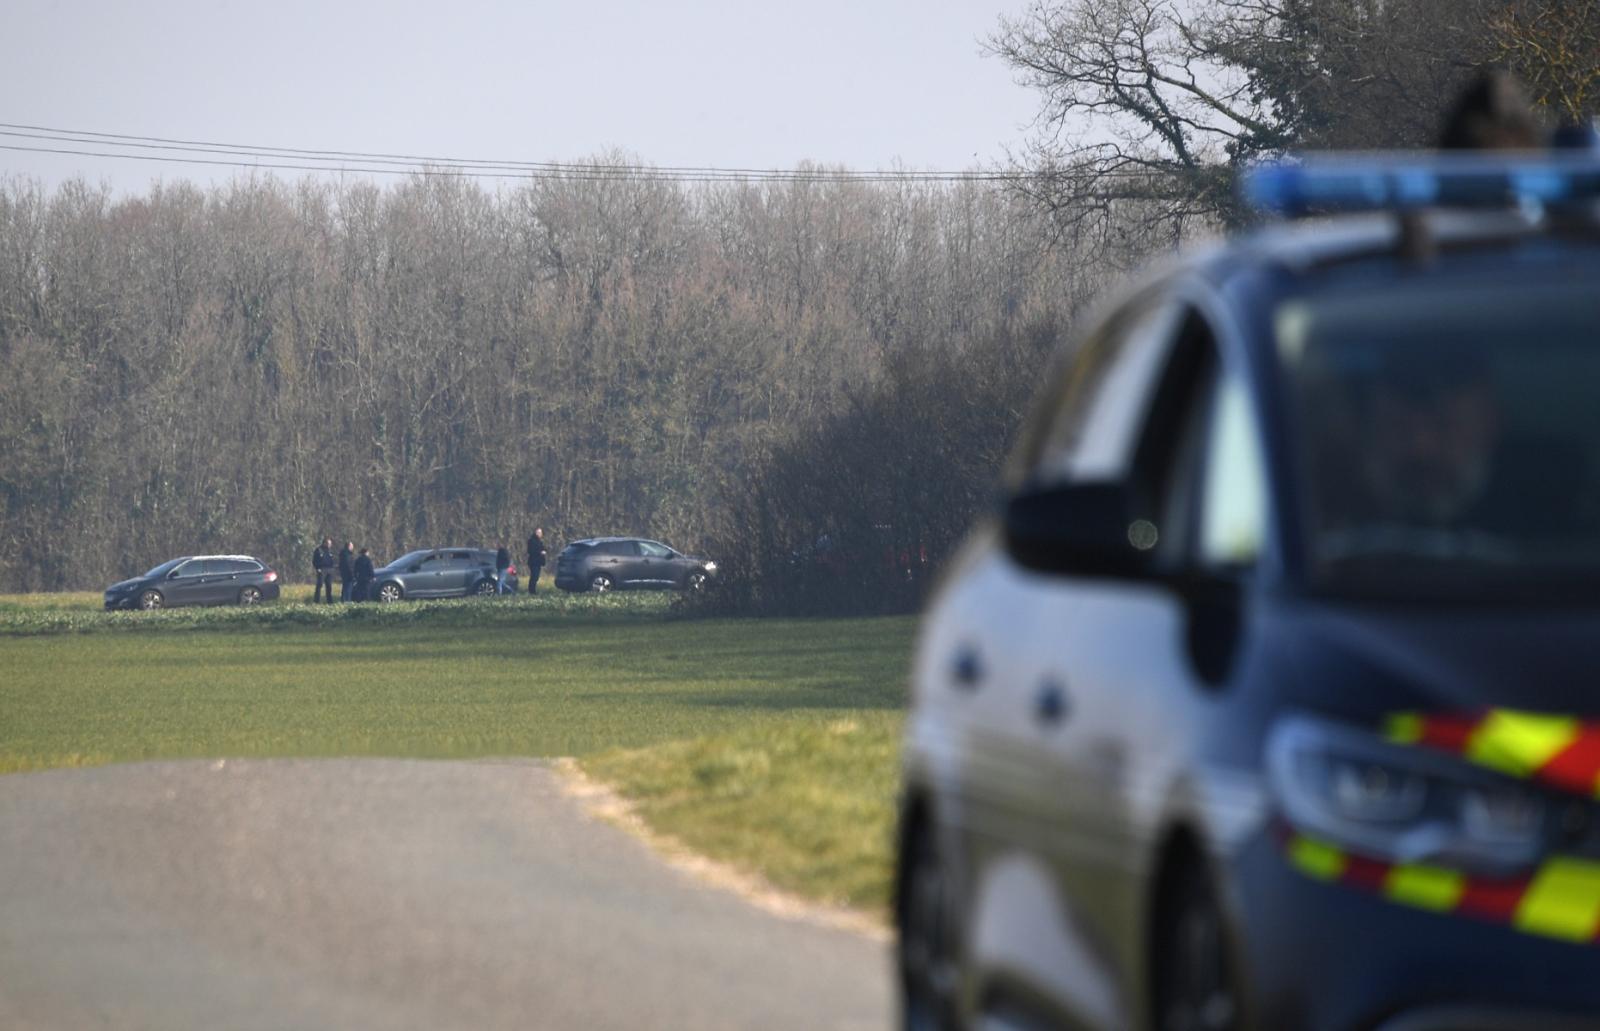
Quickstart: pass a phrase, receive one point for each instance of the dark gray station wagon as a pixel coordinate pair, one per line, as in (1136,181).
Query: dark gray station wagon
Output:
(197,580)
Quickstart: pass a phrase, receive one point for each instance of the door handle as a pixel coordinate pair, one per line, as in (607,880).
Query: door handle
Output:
(1050,705)
(966,669)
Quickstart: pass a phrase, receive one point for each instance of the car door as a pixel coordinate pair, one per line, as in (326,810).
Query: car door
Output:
(460,572)
(430,578)
(995,666)
(224,579)
(185,584)
(660,566)
(629,564)
(1136,661)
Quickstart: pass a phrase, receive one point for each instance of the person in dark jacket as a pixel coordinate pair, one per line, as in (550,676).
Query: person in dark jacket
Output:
(502,562)
(322,566)
(536,555)
(364,574)
(347,569)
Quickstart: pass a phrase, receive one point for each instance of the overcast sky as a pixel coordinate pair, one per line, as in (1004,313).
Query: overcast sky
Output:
(746,83)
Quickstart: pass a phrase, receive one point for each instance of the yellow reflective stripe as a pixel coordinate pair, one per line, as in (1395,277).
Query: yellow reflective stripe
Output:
(1313,858)
(1563,901)
(1519,743)
(1403,728)
(1426,886)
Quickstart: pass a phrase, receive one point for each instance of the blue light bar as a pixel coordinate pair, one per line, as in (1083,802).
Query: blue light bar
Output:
(1405,182)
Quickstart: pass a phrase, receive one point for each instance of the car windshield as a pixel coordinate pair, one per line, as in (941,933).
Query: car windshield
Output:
(411,557)
(164,568)
(1449,439)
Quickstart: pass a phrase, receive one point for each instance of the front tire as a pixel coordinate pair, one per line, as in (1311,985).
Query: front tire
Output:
(249,596)
(923,954)
(695,582)
(151,600)
(1192,981)
(389,592)
(600,583)
(483,588)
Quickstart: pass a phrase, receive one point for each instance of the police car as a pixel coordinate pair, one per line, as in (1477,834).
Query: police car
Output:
(1270,697)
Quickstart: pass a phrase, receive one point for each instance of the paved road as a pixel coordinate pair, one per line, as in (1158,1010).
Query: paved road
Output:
(381,894)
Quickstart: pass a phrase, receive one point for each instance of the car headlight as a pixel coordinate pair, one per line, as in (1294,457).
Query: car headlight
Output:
(711,567)
(1403,804)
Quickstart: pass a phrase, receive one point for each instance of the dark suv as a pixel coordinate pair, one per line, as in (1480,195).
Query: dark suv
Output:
(197,580)
(619,563)
(436,573)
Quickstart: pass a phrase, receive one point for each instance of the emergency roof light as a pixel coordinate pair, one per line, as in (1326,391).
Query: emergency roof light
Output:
(1405,182)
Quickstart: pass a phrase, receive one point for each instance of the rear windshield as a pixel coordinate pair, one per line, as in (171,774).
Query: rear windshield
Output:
(1449,437)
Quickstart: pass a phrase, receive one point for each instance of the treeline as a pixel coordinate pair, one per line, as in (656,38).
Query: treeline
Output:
(250,367)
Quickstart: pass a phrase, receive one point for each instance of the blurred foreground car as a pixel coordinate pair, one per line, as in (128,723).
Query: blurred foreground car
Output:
(622,563)
(1269,699)
(436,573)
(197,580)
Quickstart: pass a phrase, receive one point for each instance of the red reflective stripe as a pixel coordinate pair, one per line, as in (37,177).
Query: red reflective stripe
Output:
(1577,766)
(1493,900)
(1364,872)
(1449,733)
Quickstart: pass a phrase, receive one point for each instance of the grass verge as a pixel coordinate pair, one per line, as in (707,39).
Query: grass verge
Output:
(809,804)
(36,615)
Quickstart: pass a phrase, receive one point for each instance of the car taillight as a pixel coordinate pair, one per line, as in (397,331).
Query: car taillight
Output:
(271,575)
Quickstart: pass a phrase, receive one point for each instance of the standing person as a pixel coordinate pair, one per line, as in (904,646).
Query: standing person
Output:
(364,575)
(322,566)
(536,554)
(502,562)
(347,569)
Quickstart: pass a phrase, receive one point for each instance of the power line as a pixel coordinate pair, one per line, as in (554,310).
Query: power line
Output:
(614,173)
(333,160)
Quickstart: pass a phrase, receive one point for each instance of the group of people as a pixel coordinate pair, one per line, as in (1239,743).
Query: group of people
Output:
(357,571)
(504,570)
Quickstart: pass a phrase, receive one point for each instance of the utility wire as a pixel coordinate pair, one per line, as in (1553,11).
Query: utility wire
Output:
(330,160)
(611,173)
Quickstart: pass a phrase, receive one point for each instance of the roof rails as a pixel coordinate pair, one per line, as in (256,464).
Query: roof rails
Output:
(1407,182)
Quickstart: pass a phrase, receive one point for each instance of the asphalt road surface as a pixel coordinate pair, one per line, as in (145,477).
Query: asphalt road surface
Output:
(356,894)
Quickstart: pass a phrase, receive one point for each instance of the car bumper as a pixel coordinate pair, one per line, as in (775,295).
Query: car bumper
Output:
(122,601)
(1328,955)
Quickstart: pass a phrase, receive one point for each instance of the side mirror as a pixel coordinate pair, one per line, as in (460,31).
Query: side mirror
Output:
(414,569)
(174,574)
(1087,529)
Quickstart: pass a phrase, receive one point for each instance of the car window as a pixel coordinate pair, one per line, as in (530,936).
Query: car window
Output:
(193,567)
(653,550)
(1233,501)
(465,556)
(1093,431)
(234,565)
(433,562)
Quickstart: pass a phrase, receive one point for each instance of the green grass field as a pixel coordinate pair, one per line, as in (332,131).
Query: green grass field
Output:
(770,744)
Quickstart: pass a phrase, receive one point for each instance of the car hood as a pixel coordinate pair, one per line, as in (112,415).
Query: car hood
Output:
(1370,662)
(123,585)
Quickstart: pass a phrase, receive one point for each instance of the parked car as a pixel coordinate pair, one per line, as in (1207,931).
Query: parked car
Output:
(1267,699)
(436,573)
(197,580)
(623,563)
